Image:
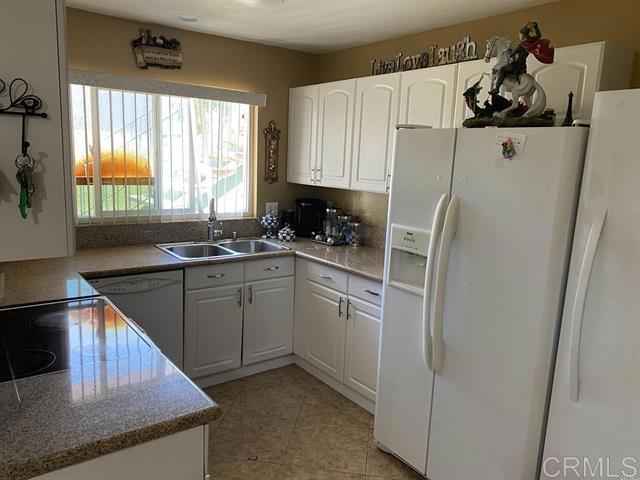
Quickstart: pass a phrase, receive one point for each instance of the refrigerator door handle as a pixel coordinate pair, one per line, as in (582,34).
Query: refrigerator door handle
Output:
(448,231)
(579,302)
(436,230)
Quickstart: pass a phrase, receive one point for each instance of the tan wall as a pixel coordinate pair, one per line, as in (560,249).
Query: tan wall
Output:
(101,43)
(568,22)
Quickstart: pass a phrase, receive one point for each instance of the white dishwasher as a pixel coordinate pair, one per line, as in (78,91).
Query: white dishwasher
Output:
(154,302)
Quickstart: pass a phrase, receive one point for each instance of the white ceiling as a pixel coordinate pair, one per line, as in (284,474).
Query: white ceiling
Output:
(317,26)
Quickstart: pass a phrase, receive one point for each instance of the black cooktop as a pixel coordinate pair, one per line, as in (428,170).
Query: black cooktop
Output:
(46,338)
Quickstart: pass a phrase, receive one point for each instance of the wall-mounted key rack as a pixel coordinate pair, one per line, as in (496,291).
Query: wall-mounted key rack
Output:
(24,104)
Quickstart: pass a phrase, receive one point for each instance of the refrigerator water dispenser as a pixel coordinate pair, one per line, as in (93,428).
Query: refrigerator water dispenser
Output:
(408,258)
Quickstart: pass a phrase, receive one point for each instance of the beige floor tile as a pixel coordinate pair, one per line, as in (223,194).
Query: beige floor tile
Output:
(291,374)
(222,468)
(251,437)
(323,404)
(269,399)
(302,473)
(381,465)
(341,448)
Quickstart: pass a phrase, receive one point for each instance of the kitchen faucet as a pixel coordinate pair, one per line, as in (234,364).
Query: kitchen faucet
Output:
(212,233)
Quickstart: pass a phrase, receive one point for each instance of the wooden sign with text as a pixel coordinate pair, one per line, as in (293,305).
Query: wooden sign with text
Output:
(464,50)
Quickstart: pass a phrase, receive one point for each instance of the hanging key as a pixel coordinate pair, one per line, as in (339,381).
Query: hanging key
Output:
(24,176)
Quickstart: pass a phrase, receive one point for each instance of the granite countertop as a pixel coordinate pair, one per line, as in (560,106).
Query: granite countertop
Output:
(34,281)
(95,407)
(115,390)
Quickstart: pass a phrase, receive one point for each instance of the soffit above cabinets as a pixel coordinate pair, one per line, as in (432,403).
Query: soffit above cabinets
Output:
(317,26)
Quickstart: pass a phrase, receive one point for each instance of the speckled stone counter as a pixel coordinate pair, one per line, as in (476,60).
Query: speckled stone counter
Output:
(117,390)
(45,280)
(76,414)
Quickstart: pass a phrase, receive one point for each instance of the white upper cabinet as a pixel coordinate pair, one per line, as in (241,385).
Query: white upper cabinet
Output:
(303,116)
(335,133)
(377,105)
(48,230)
(428,96)
(341,134)
(468,74)
(583,70)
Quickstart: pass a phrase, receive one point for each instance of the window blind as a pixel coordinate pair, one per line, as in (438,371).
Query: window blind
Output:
(143,157)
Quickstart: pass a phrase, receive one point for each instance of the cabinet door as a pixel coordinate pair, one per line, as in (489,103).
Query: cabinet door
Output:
(427,96)
(575,69)
(268,319)
(377,105)
(363,338)
(468,74)
(303,114)
(213,330)
(325,329)
(40,60)
(335,133)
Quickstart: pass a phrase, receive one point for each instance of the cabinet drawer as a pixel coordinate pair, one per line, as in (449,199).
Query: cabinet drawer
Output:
(213,275)
(269,268)
(365,289)
(327,276)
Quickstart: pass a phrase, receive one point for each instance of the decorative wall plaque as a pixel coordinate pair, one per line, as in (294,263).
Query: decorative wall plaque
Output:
(271,141)
(159,51)
(464,50)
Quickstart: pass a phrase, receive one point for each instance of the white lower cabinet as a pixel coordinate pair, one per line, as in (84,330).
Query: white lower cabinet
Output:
(361,352)
(181,455)
(213,330)
(325,328)
(268,320)
(336,332)
(237,314)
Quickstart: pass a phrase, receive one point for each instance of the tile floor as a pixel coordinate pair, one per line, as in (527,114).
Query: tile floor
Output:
(285,424)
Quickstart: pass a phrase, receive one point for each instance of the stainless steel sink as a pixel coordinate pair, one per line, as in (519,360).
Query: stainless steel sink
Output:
(252,246)
(193,250)
(190,251)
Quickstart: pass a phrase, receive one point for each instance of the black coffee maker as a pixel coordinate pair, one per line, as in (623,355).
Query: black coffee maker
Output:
(310,214)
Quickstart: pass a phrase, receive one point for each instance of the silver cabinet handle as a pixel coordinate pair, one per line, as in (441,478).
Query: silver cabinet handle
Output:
(250,295)
(325,276)
(271,269)
(216,275)
(340,307)
(348,305)
(371,292)
(239,297)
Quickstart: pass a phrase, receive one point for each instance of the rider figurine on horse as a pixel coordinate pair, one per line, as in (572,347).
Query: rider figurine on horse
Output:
(531,41)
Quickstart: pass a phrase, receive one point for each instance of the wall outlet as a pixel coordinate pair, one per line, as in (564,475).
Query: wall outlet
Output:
(271,207)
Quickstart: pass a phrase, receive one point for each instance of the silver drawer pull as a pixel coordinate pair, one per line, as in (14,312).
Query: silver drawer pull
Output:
(216,275)
(271,269)
(325,276)
(371,292)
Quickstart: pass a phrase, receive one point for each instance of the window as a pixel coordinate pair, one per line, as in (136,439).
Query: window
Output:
(142,157)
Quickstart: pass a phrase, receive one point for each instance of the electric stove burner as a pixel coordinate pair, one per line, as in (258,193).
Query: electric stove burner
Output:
(58,321)
(26,363)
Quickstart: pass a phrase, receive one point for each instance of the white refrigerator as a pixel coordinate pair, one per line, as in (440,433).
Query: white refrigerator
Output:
(594,418)
(477,255)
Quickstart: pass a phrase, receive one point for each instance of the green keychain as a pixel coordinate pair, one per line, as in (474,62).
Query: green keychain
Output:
(25,164)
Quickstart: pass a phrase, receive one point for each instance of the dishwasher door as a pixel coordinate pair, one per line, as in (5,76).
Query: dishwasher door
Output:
(155,302)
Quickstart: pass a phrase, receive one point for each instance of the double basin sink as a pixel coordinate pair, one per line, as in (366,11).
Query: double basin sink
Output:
(196,250)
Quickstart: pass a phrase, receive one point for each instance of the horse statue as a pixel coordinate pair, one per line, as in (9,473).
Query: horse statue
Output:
(521,86)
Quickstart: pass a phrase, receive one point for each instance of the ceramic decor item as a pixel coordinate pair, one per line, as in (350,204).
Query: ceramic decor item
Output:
(287,234)
(270,223)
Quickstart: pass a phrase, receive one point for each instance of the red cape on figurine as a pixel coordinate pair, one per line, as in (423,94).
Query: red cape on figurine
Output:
(541,49)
